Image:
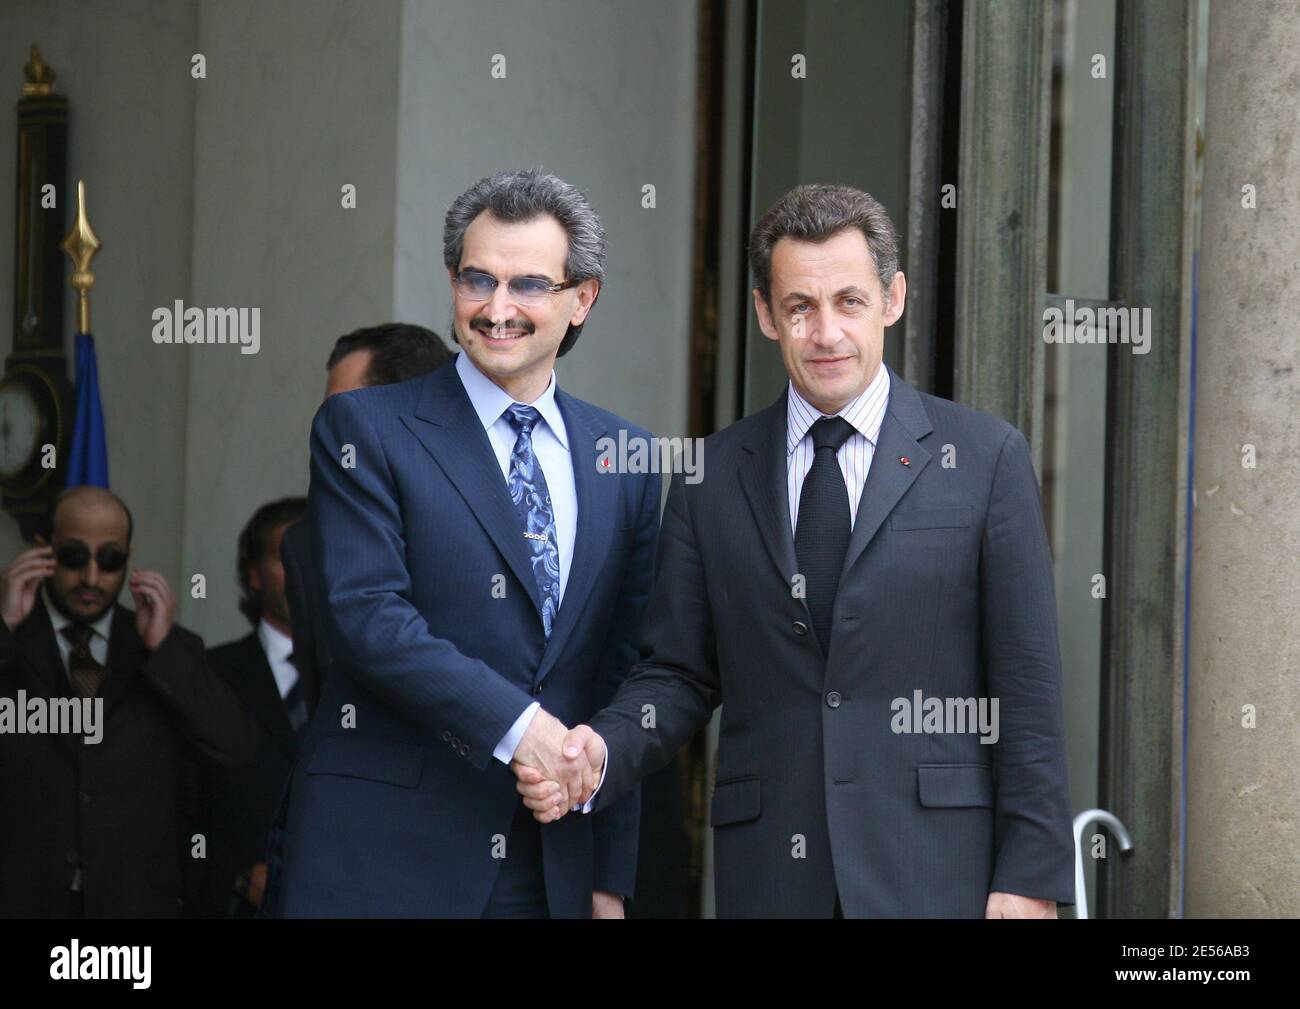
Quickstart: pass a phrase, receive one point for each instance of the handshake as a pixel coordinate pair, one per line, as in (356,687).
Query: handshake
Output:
(558,768)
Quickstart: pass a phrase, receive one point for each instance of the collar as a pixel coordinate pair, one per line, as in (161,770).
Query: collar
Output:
(866,412)
(61,620)
(275,643)
(490,401)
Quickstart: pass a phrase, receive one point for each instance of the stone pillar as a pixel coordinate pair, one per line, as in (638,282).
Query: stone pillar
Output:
(1243,784)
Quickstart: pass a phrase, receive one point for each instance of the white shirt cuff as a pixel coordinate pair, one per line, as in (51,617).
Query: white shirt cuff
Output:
(505,751)
(587,807)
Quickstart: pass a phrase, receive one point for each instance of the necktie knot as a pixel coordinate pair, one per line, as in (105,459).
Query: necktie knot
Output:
(831,433)
(523,418)
(78,634)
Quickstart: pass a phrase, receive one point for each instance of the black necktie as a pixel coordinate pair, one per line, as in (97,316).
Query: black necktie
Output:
(821,534)
(295,705)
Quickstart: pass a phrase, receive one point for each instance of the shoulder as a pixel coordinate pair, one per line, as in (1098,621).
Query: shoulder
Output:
(971,424)
(598,420)
(377,400)
(234,652)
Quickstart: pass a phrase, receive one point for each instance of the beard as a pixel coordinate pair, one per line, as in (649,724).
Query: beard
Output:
(60,603)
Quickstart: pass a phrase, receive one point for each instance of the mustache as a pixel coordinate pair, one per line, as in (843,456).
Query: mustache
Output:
(482,324)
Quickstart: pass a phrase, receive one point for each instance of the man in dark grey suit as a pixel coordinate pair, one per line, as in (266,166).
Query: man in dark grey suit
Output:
(862,579)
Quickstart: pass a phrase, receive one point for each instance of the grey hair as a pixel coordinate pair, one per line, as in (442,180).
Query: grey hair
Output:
(814,213)
(521,196)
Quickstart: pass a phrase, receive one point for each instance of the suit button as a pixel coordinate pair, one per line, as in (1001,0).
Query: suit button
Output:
(833,699)
(70,858)
(446,735)
(799,627)
(537,689)
(464,750)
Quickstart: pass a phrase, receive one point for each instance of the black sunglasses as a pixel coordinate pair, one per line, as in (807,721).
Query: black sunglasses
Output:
(75,555)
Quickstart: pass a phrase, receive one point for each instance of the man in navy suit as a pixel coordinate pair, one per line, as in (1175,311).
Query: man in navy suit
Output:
(485,581)
(372,355)
(863,582)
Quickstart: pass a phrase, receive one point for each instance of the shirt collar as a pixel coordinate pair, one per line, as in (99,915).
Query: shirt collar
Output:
(61,620)
(866,412)
(490,401)
(277,645)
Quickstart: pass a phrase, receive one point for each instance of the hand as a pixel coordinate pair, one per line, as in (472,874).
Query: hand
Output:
(566,766)
(547,798)
(256,884)
(1011,905)
(20,580)
(155,606)
(606,905)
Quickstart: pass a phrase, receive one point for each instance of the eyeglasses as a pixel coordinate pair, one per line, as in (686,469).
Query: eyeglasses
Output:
(75,555)
(531,291)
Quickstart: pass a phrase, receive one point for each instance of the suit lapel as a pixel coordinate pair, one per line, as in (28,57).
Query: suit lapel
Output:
(36,642)
(764,478)
(597,496)
(889,479)
(447,426)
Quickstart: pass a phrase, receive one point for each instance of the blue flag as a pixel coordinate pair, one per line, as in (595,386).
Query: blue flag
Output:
(88,456)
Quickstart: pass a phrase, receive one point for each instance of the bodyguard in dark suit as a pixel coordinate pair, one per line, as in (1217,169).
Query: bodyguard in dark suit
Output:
(862,580)
(236,804)
(484,584)
(90,828)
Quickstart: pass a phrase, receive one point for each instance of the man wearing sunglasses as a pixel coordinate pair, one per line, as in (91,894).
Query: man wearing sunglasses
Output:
(485,581)
(91,830)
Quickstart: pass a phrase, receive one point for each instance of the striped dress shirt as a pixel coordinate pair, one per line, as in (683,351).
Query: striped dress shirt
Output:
(865,413)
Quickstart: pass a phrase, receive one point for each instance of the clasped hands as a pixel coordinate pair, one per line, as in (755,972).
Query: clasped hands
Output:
(558,768)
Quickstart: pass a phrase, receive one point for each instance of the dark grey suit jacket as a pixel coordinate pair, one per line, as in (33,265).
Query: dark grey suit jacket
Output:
(947,589)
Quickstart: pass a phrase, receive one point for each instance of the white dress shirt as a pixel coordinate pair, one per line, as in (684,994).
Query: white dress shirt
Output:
(98,639)
(278,646)
(866,413)
(551,447)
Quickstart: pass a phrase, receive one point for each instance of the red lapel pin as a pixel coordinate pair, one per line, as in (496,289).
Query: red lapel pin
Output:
(903,460)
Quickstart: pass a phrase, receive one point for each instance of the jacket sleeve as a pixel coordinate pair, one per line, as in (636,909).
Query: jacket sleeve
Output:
(671,693)
(1033,836)
(357,532)
(207,711)
(617,826)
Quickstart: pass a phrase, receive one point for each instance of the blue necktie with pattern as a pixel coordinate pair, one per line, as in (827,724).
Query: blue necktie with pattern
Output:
(533,502)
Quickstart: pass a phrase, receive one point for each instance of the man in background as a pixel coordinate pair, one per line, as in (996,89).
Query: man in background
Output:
(237,804)
(89,829)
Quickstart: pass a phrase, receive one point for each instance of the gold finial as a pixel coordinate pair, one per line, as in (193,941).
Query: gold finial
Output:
(40,75)
(81,244)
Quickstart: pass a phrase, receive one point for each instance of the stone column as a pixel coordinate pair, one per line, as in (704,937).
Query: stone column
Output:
(1243,783)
